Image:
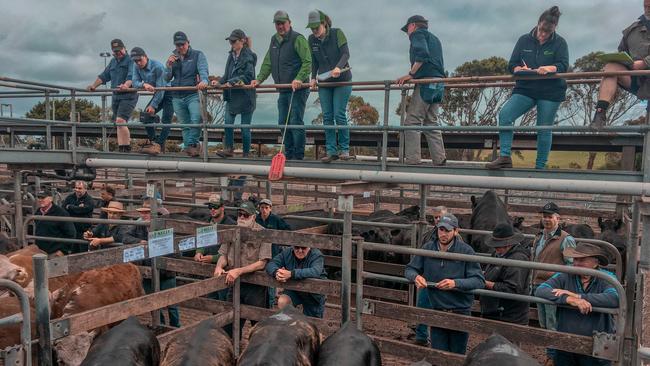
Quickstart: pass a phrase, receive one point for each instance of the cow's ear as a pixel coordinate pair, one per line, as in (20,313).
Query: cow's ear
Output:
(473,199)
(600,222)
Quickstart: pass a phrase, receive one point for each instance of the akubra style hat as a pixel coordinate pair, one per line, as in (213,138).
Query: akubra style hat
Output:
(503,235)
(584,250)
(114,206)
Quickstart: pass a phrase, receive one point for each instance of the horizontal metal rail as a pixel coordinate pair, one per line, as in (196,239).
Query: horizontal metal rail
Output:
(24,318)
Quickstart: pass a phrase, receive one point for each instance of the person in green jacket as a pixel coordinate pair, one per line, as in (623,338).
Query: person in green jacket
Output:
(288,60)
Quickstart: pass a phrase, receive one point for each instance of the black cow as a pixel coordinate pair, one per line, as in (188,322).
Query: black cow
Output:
(582,231)
(349,347)
(199,214)
(610,231)
(285,338)
(487,212)
(129,343)
(207,345)
(498,351)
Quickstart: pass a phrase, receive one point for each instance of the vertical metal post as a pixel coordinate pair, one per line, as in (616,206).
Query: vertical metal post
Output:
(42,303)
(73,119)
(269,190)
(377,200)
(104,115)
(156,224)
(18,207)
(284,193)
(346,205)
(630,283)
(236,297)
(203,101)
(384,139)
(401,195)
(104,140)
(359,292)
(402,115)
(48,127)
(645,168)
(129,187)
(193,190)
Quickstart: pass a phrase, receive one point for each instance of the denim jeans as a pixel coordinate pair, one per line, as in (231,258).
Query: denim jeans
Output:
(516,107)
(168,113)
(312,304)
(563,358)
(188,111)
(172,311)
(334,102)
(421,331)
(294,141)
(229,119)
(450,340)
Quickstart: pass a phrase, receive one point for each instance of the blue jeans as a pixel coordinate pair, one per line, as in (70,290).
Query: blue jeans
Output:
(229,119)
(450,340)
(422,303)
(188,111)
(172,311)
(294,141)
(312,304)
(563,358)
(334,102)
(168,113)
(516,107)
(275,250)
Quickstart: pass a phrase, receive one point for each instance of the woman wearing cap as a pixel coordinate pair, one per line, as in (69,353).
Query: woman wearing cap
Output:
(581,293)
(240,70)
(104,234)
(540,52)
(514,280)
(330,53)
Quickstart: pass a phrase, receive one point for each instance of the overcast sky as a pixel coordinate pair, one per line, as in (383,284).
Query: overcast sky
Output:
(60,41)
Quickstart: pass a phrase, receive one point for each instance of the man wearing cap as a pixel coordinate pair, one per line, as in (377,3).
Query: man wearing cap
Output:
(253,257)
(79,204)
(548,247)
(187,67)
(217,216)
(288,60)
(425,54)
(107,195)
(140,234)
(52,229)
(298,263)
(269,220)
(513,280)
(149,74)
(581,293)
(118,71)
(104,234)
(446,276)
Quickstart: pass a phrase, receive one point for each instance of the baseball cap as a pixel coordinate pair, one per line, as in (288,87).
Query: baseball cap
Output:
(137,52)
(314,19)
(248,207)
(280,16)
(551,208)
(43,194)
(414,19)
(236,34)
(266,201)
(180,38)
(448,221)
(117,44)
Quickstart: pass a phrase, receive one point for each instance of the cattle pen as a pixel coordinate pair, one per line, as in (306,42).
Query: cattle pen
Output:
(343,185)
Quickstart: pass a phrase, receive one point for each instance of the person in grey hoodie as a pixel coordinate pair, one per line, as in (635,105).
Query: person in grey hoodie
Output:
(451,281)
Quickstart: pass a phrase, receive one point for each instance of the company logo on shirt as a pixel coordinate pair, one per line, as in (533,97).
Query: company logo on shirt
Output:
(548,53)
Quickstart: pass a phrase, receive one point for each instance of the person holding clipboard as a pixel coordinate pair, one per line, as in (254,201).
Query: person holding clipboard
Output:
(540,52)
(329,63)
(636,45)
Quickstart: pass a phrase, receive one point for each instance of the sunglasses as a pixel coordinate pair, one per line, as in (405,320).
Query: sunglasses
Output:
(243,214)
(299,248)
(233,41)
(214,207)
(277,24)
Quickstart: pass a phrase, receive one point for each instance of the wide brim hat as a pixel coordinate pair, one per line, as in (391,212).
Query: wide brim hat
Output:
(143,209)
(496,242)
(114,206)
(584,250)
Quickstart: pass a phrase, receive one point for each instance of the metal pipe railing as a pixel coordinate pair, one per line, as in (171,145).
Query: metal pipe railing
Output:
(24,318)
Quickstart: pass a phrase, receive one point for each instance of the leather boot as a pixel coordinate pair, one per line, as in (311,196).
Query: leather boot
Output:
(501,162)
(151,149)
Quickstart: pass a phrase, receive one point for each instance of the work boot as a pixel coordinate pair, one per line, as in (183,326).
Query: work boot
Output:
(225,153)
(600,118)
(193,150)
(346,156)
(422,342)
(124,148)
(442,163)
(144,143)
(151,149)
(502,162)
(329,158)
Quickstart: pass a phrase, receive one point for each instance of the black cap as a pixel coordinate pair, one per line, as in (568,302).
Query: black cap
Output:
(117,44)
(414,19)
(137,52)
(551,208)
(180,37)
(43,194)
(236,34)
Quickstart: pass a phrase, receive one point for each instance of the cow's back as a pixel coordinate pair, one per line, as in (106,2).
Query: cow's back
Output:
(127,344)
(498,351)
(208,345)
(349,347)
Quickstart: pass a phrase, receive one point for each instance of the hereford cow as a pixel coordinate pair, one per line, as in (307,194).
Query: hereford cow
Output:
(487,212)
(285,338)
(12,272)
(496,350)
(349,347)
(127,344)
(207,345)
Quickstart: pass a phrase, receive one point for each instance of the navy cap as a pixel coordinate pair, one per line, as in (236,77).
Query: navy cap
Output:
(137,52)
(236,34)
(43,194)
(180,37)
(117,44)
(448,221)
(551,208)
(414,19)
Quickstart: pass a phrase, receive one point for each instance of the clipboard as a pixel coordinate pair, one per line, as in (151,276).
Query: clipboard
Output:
(618,57)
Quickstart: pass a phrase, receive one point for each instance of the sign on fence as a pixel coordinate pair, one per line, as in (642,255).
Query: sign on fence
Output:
(206,236)
(161,242)
(187,244)
(134,254)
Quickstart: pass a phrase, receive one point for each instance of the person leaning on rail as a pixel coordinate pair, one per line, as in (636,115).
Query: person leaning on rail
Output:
(149,74)
(288,61)
(514,280)
(187,67)
(425,54)
(118,71)
(106,195)
(452,280)
(541,52)
(636,43)
(240,70)
(103,234)
(330,53)
(79,204)
(53,229)
(581,293)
